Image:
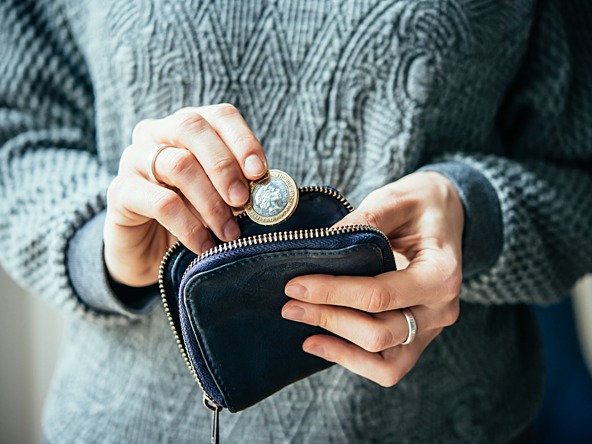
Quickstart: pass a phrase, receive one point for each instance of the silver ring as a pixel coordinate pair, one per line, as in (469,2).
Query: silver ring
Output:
(152,163)
(411,324)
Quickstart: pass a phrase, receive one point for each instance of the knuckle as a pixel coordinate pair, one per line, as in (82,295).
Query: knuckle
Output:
(222,165)
(139,129)
(327,291)
(389,378)
(142,128)
(166,203)
(379,340)
(126,158)
(453,283)
(457,281)
(452,313)
(217,208)
(387,193)
(226,109)
(178,162)
(113,191)
(192,123)
(246,142)
(450,276)
(323,320)
(377,299)
(191,232)
(369,218)
(185,110)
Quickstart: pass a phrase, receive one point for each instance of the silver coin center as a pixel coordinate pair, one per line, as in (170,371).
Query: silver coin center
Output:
(270,199)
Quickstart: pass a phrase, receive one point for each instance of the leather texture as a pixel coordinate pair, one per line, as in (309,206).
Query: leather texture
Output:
(250,350)
(227,307)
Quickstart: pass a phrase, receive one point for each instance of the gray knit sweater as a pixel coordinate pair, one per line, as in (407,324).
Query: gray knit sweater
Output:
(496,94)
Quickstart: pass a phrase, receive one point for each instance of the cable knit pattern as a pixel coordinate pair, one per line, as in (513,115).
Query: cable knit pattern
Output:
(51,179)
(353,93)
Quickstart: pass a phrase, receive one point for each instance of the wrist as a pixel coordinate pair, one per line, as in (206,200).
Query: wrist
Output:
(482,237)
(90,279)
(446,197)
(128,259)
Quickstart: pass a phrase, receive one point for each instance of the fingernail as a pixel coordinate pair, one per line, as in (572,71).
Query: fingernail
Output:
(231,230)
(294,312)
(238,192)
(297,291)
(316,350)
(254,166)
(207,245)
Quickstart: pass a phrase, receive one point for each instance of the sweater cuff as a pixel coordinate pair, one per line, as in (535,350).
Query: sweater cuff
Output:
(482,240)
(91,281)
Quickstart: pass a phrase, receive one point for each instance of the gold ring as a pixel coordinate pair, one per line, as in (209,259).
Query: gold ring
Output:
(411,324)
(152,163)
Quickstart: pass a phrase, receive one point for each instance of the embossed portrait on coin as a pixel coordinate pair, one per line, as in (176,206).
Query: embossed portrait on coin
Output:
(269,200)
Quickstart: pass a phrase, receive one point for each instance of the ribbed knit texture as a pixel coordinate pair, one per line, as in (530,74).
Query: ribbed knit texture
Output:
(354,94)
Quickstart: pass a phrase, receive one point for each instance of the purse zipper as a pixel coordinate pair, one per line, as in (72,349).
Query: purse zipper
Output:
(279,236)
(331,192)
(310,233)
(208,402)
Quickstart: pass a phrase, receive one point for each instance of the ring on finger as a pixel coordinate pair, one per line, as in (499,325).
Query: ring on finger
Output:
(411,325)
(152,163)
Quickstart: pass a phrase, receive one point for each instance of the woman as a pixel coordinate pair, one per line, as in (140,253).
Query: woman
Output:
(459,128)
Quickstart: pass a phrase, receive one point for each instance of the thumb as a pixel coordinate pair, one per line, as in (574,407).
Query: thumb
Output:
(379,210)
(357,217)
(376,210)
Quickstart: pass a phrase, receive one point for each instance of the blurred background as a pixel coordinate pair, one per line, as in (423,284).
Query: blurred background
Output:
(30,335)
(31,331)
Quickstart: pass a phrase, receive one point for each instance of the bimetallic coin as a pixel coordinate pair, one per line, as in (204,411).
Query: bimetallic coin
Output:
(273,198)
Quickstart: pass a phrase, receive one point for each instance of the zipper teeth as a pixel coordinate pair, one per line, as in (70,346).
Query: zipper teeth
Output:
(331,192)
(266,238)
(172,323)
(291,235)
(311,233)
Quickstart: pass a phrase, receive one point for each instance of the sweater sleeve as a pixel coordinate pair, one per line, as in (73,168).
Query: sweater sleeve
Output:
(543,177)
(52,181)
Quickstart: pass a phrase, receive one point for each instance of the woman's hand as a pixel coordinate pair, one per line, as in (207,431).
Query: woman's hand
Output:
(200,177)
(423,217)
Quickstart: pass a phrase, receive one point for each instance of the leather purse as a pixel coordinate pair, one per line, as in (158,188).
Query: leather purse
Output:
(224,306)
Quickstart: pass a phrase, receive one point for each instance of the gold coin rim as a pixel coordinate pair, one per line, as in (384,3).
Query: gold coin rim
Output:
(293,198)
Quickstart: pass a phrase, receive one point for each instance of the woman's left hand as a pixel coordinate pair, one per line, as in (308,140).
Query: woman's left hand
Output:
(423,217)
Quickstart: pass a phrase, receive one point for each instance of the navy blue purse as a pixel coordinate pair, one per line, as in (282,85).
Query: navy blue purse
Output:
(224,306)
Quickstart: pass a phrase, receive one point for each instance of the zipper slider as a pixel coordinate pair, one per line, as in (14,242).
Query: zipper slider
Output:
(215,409)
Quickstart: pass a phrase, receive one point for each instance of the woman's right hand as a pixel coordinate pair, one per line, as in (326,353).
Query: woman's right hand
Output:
(203,174)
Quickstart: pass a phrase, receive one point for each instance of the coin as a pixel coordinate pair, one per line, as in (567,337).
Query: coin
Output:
(273,198)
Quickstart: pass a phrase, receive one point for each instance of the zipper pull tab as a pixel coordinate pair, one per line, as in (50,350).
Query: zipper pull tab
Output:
(215,409)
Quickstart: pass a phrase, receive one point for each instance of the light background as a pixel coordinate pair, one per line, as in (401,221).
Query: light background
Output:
(30,334)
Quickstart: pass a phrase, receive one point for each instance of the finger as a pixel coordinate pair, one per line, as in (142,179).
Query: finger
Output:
(410,210)
(386,368)
(369,294)
(424,281)
(238,137)
(379,209)
(179,168)
(373,333)
(390,207)
(194,132)
(139,197)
